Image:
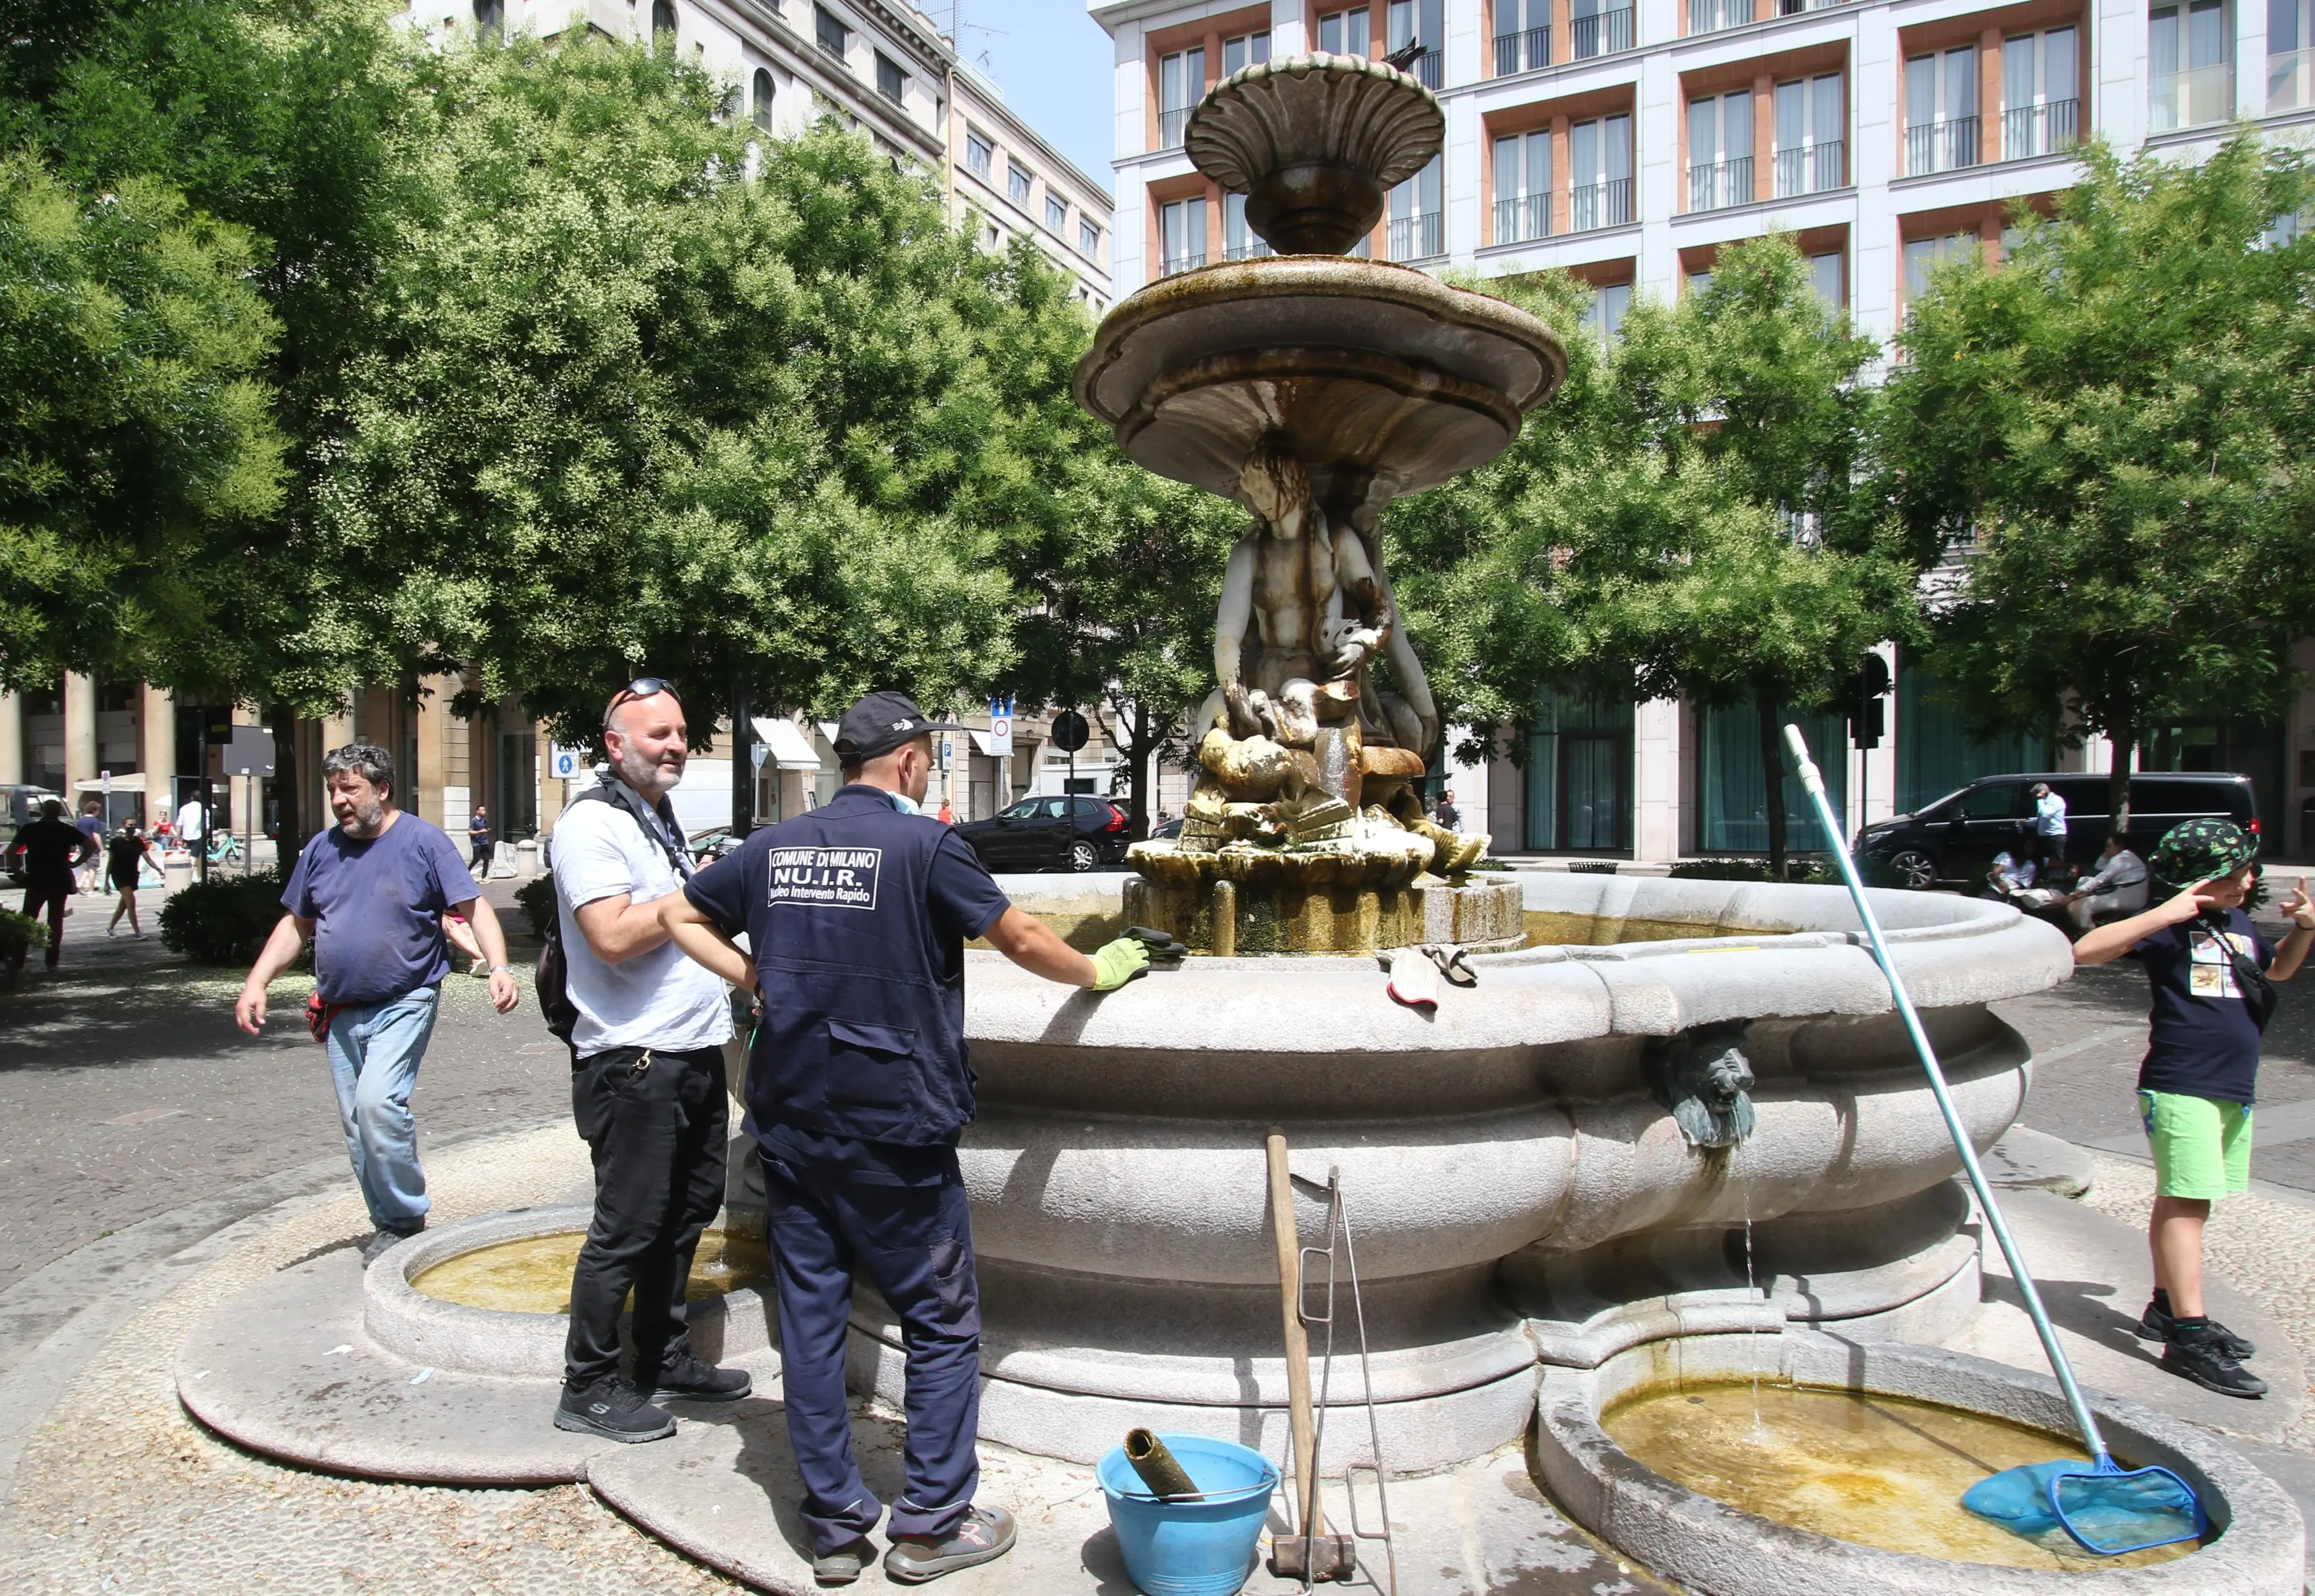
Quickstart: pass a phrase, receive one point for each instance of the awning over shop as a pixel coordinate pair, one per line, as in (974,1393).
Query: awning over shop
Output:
(981,744)
(126,781)
(786,738)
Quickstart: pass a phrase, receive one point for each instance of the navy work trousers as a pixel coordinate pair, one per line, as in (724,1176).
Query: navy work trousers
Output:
(915,1245)
(656,1122)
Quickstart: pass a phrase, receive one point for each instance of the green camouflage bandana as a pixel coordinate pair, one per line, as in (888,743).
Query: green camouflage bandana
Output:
(2198,850)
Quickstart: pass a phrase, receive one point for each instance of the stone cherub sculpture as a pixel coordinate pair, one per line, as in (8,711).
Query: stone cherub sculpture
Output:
(1703,1077)
(1295,742)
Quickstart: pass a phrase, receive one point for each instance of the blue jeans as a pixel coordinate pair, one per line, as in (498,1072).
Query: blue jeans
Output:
(374,1053)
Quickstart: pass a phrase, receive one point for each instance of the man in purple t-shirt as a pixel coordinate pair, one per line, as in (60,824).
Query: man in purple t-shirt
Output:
(370,893)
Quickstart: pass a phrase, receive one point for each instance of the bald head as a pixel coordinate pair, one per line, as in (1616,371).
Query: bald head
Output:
(648,743)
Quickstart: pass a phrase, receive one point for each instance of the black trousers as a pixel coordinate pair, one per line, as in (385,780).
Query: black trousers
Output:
(49,898)
(656,1122)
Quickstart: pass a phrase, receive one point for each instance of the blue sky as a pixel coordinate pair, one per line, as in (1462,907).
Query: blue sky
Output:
(1053,63)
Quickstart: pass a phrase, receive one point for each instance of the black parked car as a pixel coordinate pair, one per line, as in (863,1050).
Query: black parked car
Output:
(1955,837)
(1075,833)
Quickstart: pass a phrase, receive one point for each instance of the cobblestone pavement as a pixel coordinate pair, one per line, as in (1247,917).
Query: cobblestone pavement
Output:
(127,1089)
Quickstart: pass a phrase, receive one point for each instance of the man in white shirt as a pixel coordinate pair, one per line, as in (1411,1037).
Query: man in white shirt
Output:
(2119,887)
(647,1084)
(189,823)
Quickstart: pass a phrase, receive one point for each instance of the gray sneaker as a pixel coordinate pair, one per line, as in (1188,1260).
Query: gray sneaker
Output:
(384,1239)
(985,1535)
(844,1565)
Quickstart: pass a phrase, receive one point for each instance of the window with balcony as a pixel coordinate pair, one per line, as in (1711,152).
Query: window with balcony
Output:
(1924,256)
(2290,55)
(1709,16)
(1248,50)
(1180,85)
(1088,239)
(663,25)
(2188,48)
(1344,32)
(760,110)
(1604,317)
(830,34)
(979,153)
(1418,215)
(1812,142)
(1522,36)
(1523,187)
(1597,28)
(2041,95)
(1016,183)
(1239,242)
(1600,170)
(1181,235)
(1826,271)
(1057,215)
(1424,20)
(1941,112)
(890,81)
(1720,150)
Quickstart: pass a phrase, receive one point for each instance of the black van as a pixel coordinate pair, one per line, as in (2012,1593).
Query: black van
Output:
(1955,837)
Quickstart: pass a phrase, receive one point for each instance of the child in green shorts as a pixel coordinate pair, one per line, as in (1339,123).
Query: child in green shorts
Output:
(2195,1086)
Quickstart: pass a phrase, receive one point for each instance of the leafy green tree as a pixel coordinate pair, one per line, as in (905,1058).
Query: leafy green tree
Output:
(2121,413)
(1691,516)
(137,435)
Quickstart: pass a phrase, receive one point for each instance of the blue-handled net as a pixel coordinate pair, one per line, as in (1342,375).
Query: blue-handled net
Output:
(2107,1509)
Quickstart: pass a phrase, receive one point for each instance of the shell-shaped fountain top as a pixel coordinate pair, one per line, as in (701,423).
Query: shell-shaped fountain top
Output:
(1315,142)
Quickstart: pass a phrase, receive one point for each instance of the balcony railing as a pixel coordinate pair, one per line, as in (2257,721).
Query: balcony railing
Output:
(1522,52)
(1519,219)
(2290,80)
(2190,99)
(2031,130)
(1426,69)
(1714,185)
(1602,34)
(1812,170)
(1248,249)
(1419,237)
(1599,205)
(1709,16)
(1170,126)
(1169,264)
(1940,146)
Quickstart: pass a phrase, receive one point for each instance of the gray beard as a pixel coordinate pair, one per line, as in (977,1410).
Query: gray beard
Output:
(366,821)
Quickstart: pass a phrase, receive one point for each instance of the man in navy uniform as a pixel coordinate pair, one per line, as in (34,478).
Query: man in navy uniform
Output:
(856,915)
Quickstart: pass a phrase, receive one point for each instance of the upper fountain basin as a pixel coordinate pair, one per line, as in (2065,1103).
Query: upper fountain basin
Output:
(1367,368)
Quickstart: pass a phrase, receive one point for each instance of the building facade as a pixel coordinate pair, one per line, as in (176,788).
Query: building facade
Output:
(1626,142)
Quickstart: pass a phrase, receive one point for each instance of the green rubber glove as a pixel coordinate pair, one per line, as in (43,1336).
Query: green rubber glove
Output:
(1119,961)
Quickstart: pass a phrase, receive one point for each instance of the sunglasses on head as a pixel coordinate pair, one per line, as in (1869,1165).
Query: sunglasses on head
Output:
(642,687)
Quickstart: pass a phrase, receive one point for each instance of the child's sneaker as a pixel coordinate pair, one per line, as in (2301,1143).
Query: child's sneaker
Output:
(2154,1325)
(2193,1351)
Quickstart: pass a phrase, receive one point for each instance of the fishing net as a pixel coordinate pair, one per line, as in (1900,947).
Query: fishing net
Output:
(2108,1510)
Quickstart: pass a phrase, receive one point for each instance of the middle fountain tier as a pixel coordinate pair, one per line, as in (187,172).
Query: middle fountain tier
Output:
(1313,390)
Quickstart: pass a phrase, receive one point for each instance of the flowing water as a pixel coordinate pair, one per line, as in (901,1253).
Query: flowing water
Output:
(1880,1471)
(532,1274)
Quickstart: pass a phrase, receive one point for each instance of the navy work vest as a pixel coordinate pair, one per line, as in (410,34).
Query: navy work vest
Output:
(863,1033)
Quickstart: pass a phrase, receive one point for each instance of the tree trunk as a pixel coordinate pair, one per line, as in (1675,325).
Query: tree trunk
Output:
(2123,734)
(1773,776)
(289,835)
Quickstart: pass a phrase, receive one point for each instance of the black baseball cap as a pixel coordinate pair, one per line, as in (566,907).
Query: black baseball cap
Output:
(880,723)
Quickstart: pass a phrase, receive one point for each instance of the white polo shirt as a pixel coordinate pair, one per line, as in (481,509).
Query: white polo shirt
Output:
(656,999)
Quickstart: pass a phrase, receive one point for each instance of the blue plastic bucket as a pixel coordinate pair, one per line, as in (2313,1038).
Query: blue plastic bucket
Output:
(1191,1548)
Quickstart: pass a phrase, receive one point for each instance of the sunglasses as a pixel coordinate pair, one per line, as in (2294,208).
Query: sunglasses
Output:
(642,687)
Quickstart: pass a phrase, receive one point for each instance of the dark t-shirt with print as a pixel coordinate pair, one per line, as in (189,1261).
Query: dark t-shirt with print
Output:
(2202,1041)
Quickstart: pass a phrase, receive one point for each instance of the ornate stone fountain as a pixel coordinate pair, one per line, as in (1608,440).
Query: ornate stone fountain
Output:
(1314,390)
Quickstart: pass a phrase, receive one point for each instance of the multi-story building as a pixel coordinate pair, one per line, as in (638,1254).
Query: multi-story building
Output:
(1627,141)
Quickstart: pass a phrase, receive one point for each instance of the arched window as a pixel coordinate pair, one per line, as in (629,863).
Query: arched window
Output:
(662,22)
(761,112)
(490,18)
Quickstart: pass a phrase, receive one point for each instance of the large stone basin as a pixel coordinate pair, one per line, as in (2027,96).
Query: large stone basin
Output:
(1518,1195)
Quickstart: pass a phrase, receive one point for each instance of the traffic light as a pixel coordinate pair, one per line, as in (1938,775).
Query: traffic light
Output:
(1862,692)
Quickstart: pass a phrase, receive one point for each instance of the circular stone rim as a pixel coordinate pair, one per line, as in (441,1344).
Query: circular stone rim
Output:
(2260,1551)
(1316,276)
(1211,152)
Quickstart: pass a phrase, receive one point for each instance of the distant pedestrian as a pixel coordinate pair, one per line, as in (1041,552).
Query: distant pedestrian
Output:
(647,1081)
(947,814)
(2203,960)
(2118,886)
(2049,826)
(478,838)
(54,849)
(91,825)
(191,823)
(1449,816)
(370,893)
(125,856)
